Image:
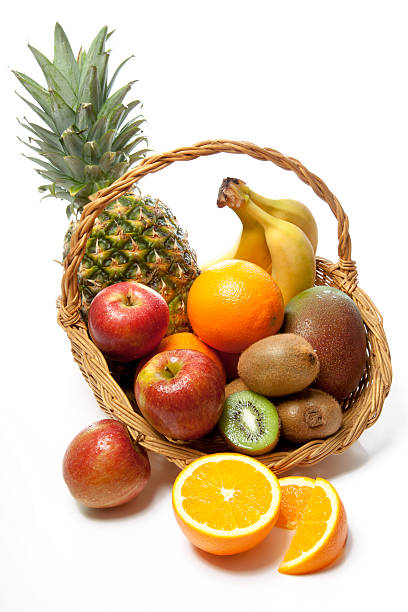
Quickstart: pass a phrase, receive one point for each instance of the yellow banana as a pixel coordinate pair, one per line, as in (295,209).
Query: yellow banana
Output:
(293,260)
(291,252)
(288,210)
(251,246)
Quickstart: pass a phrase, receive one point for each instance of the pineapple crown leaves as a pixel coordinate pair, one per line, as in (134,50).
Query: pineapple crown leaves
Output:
(85,144)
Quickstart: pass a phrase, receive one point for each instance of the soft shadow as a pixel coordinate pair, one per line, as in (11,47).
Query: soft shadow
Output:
(269,553)
(163,475)
(391,426)
(334,465)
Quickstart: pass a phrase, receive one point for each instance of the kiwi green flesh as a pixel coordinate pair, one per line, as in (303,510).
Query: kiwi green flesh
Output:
(250,423)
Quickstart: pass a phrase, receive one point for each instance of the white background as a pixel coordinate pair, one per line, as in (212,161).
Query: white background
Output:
(322,81)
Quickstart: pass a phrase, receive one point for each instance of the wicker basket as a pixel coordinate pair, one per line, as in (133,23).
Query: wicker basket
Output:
(362,407)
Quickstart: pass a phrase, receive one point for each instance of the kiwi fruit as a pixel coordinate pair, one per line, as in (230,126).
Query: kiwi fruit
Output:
(309,415)
(235,386)
(249,423)
(330,320)
(278,365)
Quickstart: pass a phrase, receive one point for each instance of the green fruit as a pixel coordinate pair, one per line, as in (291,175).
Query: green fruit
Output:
(331,322)
(250,423)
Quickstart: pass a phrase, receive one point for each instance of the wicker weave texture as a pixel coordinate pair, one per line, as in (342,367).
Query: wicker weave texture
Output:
(362,408)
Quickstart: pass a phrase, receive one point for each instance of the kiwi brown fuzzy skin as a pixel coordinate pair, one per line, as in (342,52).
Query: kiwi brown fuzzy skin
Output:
(311,414)
(279,365)
(235,386)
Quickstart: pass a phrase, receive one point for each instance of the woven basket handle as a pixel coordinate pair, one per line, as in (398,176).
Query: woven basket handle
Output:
(69,286)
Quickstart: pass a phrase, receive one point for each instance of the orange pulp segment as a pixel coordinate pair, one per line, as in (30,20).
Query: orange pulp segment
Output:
(226,503)
(296,491)
(320,534)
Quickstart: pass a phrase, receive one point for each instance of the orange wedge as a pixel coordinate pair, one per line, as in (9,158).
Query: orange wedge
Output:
(320,533)
(226,503)
(296,492)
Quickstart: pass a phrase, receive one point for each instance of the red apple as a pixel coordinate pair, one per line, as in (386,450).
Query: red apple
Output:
(127,320)
(103,467)
(181,393)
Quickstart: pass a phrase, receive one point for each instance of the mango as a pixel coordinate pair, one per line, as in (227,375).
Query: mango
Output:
(331,322)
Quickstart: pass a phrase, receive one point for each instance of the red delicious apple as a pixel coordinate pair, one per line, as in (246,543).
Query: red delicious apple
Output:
(127,320)
(103,467)
(181,393)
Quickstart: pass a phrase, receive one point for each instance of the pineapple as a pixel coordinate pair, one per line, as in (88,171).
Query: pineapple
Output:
(85,146)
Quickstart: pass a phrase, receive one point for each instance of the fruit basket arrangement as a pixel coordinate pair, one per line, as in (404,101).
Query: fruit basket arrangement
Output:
(119,237)
(361,408)
(268,358)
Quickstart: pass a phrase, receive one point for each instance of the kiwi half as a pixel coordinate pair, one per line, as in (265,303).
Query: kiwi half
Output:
(250,423)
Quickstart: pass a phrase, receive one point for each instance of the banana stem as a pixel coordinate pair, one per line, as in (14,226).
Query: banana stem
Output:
(232,193)
(235,194)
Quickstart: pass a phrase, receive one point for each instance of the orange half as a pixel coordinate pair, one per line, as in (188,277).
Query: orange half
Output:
(226,503)
(321,532)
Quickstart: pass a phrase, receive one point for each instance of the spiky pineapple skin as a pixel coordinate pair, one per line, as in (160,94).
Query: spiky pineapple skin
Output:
(87,139)
(138,238)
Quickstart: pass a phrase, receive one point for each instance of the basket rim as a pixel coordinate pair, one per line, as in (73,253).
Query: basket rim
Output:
(369,397)
(157,162)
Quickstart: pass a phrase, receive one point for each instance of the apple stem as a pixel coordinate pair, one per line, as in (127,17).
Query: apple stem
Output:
(129,299)
(172,369)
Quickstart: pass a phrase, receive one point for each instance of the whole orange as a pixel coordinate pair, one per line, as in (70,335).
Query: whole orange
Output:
(184,340)
(233,304)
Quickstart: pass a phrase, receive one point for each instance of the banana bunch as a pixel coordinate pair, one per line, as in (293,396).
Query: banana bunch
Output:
(280,236)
